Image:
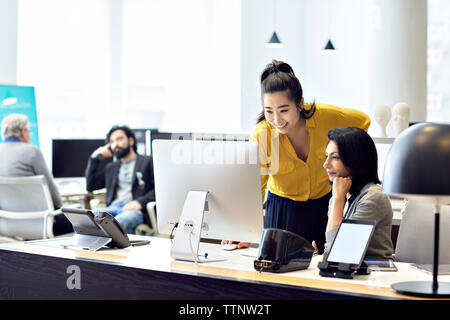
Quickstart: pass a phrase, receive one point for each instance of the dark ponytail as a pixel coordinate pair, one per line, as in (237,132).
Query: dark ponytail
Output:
(279,76)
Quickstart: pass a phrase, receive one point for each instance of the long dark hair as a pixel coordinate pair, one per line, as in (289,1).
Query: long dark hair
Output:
(279,76)
(128,132)
(359,154)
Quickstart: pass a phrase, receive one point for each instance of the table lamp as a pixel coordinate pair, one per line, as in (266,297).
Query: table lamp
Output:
(418,166)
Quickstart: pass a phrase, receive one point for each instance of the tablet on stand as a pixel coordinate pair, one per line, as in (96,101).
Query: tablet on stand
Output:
(346,255)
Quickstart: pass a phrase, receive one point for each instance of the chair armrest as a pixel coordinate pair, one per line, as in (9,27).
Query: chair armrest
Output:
(151,206)
(28,215)
(151,211)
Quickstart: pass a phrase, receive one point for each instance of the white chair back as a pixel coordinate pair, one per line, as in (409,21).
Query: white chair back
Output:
(26,207)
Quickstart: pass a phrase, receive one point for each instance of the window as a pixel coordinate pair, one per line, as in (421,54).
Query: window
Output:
(168,64)
(438,95)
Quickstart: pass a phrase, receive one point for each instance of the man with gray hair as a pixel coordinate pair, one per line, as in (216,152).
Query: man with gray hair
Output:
(19,158)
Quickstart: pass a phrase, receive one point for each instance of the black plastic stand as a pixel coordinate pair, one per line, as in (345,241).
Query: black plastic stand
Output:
(342,270)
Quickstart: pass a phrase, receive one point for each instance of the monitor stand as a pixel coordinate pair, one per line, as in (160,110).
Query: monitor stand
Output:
(187,238)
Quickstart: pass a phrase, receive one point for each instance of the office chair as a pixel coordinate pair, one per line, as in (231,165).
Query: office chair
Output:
(26,208)
(151,210)
(144,229)
(416,234)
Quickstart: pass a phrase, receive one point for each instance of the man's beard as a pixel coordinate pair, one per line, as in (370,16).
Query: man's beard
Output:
(122,152)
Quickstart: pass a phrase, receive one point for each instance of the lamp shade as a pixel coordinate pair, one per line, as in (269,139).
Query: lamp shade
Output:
(418,163)
(329,45)
(274,41)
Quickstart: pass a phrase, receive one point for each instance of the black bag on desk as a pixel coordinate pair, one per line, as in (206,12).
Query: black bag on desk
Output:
(283,251)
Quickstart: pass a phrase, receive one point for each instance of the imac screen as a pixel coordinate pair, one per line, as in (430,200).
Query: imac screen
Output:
(229,171)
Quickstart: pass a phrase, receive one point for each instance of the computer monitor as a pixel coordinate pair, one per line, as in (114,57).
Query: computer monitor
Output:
(70,156)
(220,136)
(168,136)
(212,189)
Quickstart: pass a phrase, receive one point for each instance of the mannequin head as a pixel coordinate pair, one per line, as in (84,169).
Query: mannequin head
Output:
(400,117)
(382,117)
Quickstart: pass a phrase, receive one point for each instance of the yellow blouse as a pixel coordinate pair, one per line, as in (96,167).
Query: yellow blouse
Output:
(286,175)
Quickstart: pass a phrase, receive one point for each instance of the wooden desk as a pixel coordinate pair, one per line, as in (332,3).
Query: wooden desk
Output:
(82,198)
(42,270)
(73,191)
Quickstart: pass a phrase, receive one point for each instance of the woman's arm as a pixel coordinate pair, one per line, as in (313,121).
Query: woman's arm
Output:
(339,117)
(341,186)
(264,155)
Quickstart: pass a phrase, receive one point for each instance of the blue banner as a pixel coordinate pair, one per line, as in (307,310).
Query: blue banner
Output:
(17,99)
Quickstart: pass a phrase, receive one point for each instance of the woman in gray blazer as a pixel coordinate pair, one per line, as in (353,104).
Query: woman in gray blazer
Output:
(352,167)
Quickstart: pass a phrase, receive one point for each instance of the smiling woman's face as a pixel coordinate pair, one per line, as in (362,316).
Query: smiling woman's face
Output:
(281,111)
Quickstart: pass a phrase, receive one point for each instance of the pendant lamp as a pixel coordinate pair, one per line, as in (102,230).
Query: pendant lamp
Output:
(329,47)
(274,41)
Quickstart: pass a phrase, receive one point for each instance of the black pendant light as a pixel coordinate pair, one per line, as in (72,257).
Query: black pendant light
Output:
(274,41)
(329,45)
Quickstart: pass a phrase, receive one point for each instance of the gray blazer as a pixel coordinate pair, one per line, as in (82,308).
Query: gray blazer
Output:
(370,204)
(20,159)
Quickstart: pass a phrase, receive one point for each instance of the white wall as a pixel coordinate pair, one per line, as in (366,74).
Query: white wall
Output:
(338,79)
(167,64)
(381,51)
(398,55)
(8,41)
(380,58)
(438,90)
(257,27)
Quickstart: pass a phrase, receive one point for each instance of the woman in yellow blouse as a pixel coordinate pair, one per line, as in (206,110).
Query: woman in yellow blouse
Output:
(292,138)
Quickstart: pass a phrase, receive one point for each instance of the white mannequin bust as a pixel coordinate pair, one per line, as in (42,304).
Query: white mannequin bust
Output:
(400,117)
(382,117)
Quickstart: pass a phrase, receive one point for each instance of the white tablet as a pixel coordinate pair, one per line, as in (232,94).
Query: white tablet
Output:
(351,242)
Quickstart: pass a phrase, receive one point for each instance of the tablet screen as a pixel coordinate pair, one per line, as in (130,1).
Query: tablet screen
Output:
(351,241)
